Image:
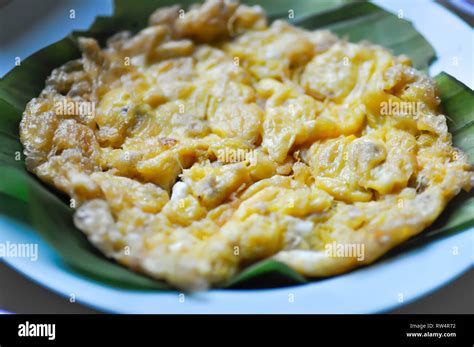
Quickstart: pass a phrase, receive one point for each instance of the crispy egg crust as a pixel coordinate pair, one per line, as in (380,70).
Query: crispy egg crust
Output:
(216,140)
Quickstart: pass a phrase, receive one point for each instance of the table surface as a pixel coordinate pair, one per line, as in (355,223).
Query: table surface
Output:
(20,295)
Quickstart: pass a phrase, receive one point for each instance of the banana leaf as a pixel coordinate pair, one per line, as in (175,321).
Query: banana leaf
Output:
(365,21)
(26,200)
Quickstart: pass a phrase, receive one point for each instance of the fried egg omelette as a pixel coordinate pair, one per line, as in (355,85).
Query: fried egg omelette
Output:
(215,139)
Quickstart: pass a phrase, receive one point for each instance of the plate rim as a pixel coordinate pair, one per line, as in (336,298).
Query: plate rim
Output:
(105,300)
